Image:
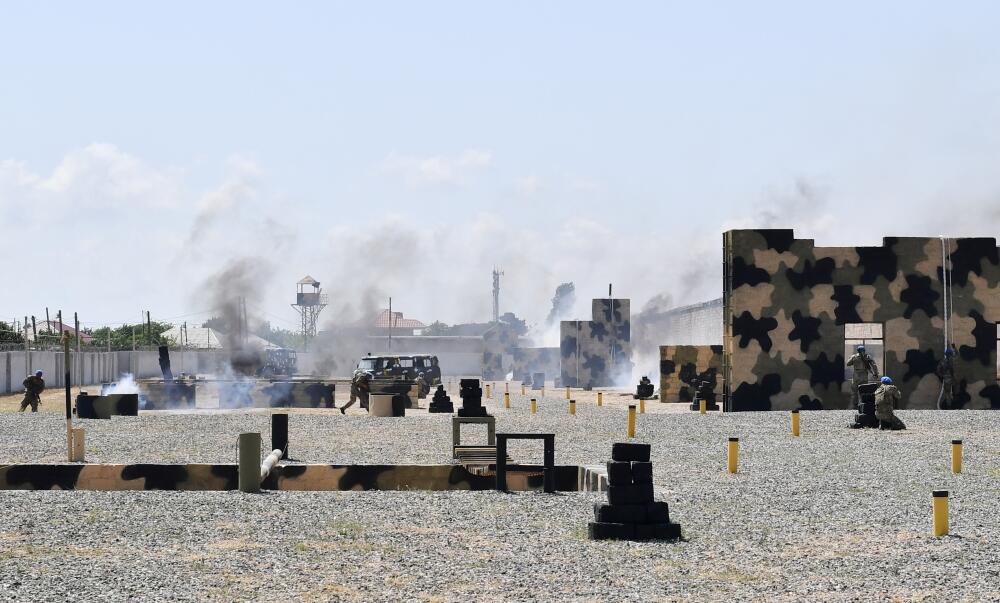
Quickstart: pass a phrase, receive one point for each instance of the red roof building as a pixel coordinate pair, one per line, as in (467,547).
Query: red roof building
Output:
(400,325)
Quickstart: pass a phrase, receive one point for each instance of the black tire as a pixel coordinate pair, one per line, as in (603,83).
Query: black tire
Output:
(642,473)
(619,473)
(626,451)
(610,531)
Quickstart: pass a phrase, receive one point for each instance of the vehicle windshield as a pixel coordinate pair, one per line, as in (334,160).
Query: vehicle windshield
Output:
(367,364)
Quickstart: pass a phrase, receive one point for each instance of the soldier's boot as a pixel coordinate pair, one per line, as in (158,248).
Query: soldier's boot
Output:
(24,405)
(34,407)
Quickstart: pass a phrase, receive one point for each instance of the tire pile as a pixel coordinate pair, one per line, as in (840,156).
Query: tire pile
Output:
(441,402)
(472,399)
(631,512)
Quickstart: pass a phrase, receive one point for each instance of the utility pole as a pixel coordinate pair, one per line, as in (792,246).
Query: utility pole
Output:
(497,273)
(149,330)
(79,358)
(389,347)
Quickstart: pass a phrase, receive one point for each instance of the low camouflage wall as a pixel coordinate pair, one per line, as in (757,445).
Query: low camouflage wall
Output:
(679,364)
(535,360)
(283,477)
(787,301)
(499,341)
(597,352)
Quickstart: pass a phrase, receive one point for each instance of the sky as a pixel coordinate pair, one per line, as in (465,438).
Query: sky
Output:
(404,149)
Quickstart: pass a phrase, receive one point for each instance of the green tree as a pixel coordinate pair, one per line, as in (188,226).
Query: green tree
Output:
(437,328)
(121,337)
(9,335)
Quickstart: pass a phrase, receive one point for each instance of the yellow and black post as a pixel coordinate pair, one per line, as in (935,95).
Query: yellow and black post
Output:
(572,407)
(702,406)
(940,505)
(534,406)
(795,423)
(956,456)
(631,420)
(734,454)
(488,394)
(642,406)
(506,399)
(567,392)
(600,398)
(522,389)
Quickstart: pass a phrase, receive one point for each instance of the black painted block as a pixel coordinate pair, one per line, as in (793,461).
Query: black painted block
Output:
(620,513)
(610,531)
(620,494)
(626,451)
(642,473)
(645,531)
(619,473)
(667,531)
(642,494)
(657,512)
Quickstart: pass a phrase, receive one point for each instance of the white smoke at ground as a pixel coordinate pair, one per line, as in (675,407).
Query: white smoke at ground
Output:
(124,385)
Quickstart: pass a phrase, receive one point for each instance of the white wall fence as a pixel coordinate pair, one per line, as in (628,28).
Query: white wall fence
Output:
(92,368)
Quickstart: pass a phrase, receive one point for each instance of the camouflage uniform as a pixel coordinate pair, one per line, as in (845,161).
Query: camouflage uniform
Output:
(422,388)
(360,387)
(865,371)
(887,397)
(33,388)
(946,372)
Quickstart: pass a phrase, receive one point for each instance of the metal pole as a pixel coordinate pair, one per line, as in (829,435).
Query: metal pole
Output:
(79,358)
(389,347)
(69,403)
(279,433)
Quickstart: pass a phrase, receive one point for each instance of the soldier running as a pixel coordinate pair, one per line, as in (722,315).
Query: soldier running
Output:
(865,370)
(946,372)
(887,397)
(360,388)
(34,385)
(422,387)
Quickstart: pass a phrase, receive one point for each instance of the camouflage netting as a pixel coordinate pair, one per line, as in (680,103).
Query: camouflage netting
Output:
(787,303)
(535,360)
(597,353)
(681,364)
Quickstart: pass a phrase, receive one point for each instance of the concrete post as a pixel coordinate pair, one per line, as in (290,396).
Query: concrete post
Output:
(249,462)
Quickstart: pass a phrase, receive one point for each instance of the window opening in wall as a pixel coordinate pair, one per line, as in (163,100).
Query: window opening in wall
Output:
(868,334)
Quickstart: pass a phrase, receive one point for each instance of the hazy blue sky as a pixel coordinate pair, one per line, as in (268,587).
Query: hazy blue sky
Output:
(408,147)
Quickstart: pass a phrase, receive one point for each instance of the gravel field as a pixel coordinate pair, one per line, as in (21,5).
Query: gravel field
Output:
(836,515)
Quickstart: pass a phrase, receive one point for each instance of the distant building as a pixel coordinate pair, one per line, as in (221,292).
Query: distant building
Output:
(58,328)
(399,325)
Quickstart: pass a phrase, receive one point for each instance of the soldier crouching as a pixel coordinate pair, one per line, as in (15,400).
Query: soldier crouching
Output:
(887,397)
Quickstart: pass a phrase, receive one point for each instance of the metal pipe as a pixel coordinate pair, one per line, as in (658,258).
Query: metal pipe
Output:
(269,463)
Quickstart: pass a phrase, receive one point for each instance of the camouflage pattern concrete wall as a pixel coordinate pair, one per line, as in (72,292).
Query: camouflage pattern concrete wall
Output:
(597,352)
(499,341)
(70,476)
(679,364)
(787,303)
(535,360)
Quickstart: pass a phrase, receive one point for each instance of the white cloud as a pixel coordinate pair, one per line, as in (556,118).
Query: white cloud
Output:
(437,169)
(528,186)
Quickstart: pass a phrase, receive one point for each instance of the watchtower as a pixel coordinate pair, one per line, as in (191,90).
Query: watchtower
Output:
(309,302)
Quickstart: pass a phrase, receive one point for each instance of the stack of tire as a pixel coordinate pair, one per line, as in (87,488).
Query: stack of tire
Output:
(866,407)
(631,512)
(472,399)
(441,402)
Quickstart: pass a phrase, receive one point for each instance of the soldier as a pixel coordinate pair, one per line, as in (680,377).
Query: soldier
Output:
(887,397)
(422,387)
(34,385)
(946,372)
(865,370)
(360,387)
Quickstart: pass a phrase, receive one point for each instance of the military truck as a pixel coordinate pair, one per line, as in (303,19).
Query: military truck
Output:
(406,366)
(278,362)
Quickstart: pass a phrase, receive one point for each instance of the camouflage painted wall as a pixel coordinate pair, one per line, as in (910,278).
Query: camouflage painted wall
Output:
(597,352)
(498,341)
(679,364)
(535,360)
(787,303)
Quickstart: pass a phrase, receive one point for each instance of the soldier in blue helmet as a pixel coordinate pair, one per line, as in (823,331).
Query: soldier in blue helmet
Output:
(946,372)
(887,397)
(865,371)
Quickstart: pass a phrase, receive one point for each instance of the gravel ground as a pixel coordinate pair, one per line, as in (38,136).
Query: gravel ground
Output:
(835,515)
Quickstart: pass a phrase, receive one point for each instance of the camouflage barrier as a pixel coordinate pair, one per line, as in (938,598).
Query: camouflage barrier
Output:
(788,304)
(534,360)
(283,477)
(597,352)
(161,395)
(105,407)
(499,341)
(679,364)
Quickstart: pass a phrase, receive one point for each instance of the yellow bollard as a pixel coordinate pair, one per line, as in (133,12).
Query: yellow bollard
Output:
(522,389)
(534,406)
(506,387)
(572,407)
(795,423)
(506,400)
(702,406)
(600,398)
(956,456)
(542,393)
(940,505)
(734,453)
(488,391)
(631,420)
(567,392)
(642,407)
